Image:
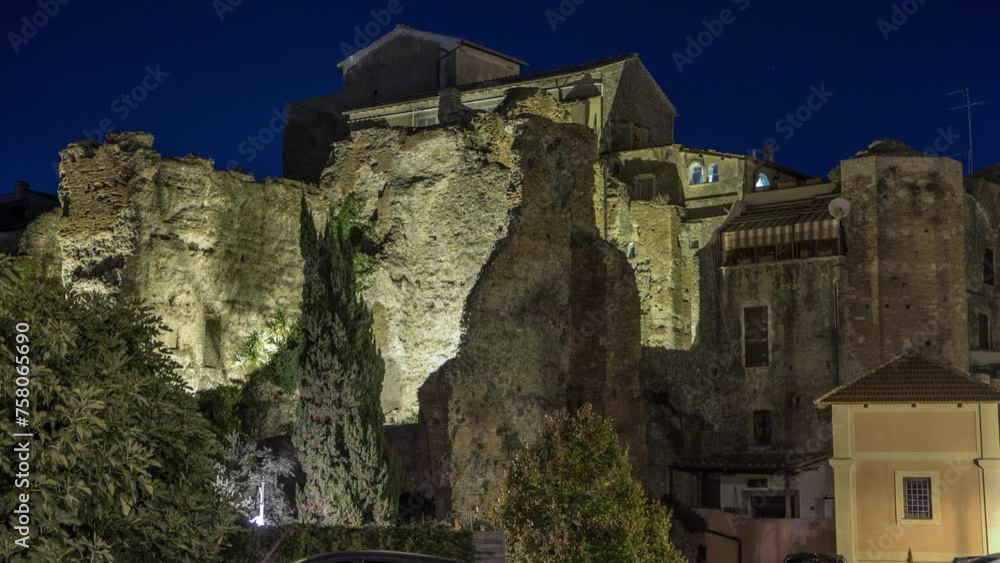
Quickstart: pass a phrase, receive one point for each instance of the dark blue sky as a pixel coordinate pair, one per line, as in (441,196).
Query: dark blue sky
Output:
(226,78)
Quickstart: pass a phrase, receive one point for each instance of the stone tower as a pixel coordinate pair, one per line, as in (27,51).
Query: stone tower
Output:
(906,259)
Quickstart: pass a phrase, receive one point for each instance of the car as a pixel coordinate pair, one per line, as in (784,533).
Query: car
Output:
(978,559)
(814,558)
(375,557)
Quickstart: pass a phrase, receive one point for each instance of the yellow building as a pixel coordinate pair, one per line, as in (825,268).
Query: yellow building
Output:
(916,461)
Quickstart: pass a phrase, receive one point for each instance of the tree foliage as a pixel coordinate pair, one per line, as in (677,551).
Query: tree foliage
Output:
(121,461)
(244,467)
(351,477)
(571,497)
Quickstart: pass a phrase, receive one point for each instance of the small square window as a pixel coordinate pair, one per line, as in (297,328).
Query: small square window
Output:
(645,188)
(917,498)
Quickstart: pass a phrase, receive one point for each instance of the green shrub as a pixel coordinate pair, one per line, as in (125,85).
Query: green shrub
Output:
(571,497)
(282,366)
(121,460)
(295,542)
(218,406)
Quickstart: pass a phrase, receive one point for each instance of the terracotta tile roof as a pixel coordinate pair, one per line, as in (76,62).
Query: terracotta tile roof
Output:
(912,379)
(773,461)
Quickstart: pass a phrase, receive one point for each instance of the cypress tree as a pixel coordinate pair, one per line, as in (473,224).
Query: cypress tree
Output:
(351,477)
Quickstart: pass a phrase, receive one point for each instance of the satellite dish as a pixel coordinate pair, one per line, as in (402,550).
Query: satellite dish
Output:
(839,208)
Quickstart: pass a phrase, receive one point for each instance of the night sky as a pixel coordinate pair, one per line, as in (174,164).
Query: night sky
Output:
(220,80)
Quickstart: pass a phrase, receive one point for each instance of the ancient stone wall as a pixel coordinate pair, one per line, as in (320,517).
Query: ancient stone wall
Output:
(214,253)
(551,322)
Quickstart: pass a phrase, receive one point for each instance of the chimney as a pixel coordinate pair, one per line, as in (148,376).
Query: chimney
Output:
(984,378)
(768,153)
(21,188)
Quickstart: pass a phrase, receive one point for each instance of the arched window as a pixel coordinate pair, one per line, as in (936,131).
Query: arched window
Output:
(697,174)
(763,182)
(713,173)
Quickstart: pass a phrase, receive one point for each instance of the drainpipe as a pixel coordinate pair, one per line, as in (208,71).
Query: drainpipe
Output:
(739,542)
(607,161)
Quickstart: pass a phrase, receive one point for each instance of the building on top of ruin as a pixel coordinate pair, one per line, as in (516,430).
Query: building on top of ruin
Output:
(401,80)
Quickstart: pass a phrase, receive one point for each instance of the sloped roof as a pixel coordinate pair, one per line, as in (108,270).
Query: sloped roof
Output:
(912,379)
(447,43)
(510,81)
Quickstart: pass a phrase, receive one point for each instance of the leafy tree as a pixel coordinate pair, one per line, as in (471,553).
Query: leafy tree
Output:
(571,497)
(241,472)
(351,477)
(121,463)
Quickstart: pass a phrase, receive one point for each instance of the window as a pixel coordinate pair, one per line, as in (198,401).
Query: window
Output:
(988,267)
(755,337)
(697,174)
(426,119)
(212,352)
(984,331)
(645,187)
(917,498)
(762,428)
(713,173)
(763,182)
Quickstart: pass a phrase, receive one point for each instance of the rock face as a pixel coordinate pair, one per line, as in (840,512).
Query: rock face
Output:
(214,253)
(440,204)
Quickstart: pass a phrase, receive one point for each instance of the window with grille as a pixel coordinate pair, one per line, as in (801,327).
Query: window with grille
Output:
(755,337)
(917,498)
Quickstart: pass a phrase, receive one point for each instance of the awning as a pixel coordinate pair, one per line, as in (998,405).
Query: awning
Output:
(781,224)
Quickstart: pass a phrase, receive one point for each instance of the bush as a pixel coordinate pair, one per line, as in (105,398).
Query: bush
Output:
(295,542)
(243,469)
(571,497)
(218,406)
(121,461)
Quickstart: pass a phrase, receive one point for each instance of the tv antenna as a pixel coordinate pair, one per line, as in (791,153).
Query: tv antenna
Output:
(969,104)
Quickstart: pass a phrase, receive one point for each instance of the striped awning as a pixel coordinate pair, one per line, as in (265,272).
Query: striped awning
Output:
(761,228)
